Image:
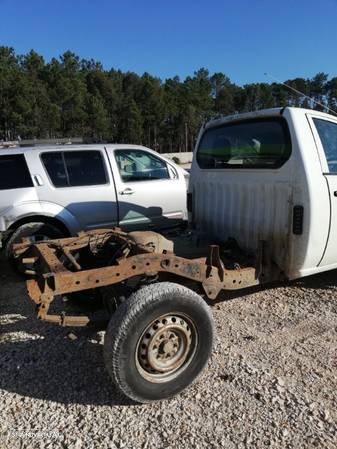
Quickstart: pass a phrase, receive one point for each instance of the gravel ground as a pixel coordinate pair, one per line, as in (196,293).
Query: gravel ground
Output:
(271,381)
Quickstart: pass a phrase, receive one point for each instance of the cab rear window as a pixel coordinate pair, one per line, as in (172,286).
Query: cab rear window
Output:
(14,173)
(249,144)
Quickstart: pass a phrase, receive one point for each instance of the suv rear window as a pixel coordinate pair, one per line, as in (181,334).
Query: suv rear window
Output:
(75,168)
(249,144)
(14,173)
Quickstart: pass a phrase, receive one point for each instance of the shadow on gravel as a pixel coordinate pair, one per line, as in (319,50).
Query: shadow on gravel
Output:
(56,369)
(325,281)
(40,361)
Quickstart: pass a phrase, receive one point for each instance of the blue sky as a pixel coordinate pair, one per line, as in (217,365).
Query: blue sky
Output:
(241,38)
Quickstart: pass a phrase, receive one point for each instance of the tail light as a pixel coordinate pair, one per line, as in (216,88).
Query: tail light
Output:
(298,213)
(189,202)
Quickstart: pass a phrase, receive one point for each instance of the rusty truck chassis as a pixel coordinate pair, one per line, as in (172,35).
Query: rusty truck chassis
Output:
(57,271)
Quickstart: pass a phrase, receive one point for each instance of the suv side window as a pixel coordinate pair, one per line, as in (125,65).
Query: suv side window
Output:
(327,132)
(138,165)
(14,173)
(247,144)
(75,168)
(54,164)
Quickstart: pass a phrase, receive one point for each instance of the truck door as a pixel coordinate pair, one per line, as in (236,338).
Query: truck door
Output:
(76,182)
(150,192)
(325,133)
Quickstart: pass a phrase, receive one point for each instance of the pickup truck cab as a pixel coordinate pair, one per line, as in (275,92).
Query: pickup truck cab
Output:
(270,176)
(59,191)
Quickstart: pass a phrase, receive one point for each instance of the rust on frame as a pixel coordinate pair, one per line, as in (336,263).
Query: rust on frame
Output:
(141,253)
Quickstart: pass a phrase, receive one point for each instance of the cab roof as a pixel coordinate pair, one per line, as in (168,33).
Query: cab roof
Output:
(272,112)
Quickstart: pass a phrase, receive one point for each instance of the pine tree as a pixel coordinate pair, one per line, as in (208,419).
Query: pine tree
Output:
(130,122)
(69,96)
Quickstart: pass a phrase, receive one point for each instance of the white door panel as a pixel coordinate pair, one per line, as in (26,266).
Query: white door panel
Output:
(325,133)
(91,205)
(330,254)
(150,202)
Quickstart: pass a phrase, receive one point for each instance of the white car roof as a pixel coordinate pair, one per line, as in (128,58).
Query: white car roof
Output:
(76,147)
(116,146)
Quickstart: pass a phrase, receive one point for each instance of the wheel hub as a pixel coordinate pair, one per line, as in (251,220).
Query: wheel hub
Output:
(165,346)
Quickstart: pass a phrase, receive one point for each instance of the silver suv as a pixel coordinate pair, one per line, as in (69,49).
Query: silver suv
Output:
(46,192)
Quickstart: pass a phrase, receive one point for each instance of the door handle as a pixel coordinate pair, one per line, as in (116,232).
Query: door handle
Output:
(38,180)
(335,193)
(127,191)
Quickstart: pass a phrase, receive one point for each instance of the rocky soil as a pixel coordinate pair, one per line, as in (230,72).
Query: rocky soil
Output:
(271,382)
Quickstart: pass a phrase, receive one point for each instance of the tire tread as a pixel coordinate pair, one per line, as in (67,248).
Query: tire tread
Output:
(126,315)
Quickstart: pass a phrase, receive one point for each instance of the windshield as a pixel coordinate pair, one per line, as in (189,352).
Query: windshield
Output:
(251,144)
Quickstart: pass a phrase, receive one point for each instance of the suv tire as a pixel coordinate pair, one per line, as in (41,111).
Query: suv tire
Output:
(35,231)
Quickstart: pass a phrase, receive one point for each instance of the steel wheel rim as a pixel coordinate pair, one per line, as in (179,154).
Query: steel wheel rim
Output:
(166,347)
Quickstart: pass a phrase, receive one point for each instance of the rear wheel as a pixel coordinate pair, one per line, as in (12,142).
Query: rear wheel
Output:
(158,341)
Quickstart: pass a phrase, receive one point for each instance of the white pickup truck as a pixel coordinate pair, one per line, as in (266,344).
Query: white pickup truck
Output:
(263,207)
(270,176)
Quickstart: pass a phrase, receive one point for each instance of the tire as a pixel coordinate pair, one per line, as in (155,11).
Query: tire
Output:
(35,231)
(175,326)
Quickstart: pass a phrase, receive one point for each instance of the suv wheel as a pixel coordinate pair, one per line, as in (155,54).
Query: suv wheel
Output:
(33,231)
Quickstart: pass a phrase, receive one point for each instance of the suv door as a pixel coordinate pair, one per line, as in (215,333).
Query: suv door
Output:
(150,192)
(78,182)
(325,133)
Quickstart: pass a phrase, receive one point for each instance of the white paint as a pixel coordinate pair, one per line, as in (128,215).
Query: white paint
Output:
(257,204)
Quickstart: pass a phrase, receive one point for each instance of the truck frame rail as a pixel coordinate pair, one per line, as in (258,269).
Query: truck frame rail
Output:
(111,256)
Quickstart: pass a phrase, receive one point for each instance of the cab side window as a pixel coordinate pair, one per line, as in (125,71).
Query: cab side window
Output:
(138,165)
(327,132)
(75,168)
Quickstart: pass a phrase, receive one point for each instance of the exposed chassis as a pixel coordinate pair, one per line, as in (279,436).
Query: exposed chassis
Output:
(57,271)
